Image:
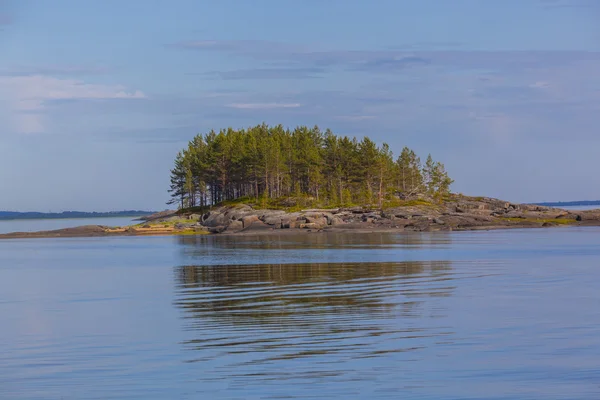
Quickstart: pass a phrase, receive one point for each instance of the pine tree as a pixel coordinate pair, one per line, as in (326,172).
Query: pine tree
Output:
(443,181)
(429,175)
(267,163)
(178,181)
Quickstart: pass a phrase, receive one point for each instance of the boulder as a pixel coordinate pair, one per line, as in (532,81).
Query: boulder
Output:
(249,220)
(272,218)
(239,212)
(335,220)
(214,219)
(319,221)
(216,229)
(235,226)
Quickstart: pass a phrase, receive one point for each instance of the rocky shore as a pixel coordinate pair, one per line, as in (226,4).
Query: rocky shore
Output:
(463,213)
(457,214)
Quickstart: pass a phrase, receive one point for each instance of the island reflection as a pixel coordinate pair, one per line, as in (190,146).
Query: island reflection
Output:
(320,307)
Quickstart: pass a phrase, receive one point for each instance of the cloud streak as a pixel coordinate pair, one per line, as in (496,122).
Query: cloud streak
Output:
(302,58)
(28,96)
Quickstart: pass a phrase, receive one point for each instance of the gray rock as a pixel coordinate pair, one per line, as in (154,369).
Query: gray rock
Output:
(235,226)
(335,221)
(249,220)
(317,221)
(272,218)
(214,219)
(216,229)
(238,212)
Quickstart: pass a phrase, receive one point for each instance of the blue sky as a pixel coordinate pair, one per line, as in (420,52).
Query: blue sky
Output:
(97,97)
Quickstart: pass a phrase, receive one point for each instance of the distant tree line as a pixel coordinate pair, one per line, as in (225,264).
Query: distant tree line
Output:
(271,162)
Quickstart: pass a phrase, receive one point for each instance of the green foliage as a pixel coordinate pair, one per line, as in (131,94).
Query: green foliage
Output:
(265,163)
(436,178)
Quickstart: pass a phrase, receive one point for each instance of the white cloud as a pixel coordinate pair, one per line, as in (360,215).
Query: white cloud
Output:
(27,96)
(263,106)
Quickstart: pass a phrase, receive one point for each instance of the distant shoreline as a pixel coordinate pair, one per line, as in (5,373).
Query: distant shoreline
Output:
(21,216)
(570,203)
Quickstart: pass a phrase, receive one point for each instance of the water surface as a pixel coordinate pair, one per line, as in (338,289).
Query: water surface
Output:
(467,315)
(33,225)
(579,208)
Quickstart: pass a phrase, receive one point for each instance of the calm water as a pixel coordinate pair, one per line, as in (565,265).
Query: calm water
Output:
(32,225)
(575,208)
(471,315)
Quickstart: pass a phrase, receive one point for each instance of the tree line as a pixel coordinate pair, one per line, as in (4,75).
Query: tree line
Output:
(272,162)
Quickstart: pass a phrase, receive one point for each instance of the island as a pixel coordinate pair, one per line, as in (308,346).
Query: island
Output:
(273,179)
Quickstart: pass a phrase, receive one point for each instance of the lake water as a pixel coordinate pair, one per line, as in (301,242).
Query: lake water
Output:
(578,208)
(32,225)
(466,315)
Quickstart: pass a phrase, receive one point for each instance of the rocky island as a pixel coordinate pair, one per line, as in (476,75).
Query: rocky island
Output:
(457,213)
(268,178)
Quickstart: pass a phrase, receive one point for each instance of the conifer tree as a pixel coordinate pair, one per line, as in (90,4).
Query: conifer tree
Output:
(265,162)
(178,181)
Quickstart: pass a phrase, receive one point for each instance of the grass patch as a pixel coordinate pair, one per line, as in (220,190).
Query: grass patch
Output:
(559,221)
(164,224)
(190,232)
(408,203)
(299,203)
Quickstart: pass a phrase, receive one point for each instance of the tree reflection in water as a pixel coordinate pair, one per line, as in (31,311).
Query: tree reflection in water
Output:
(310,309)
